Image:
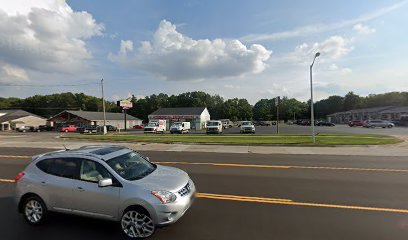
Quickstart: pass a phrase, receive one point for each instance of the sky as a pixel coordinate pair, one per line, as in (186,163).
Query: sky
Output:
(246,49)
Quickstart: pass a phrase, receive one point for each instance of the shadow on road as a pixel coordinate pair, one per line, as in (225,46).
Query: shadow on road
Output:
(57,226)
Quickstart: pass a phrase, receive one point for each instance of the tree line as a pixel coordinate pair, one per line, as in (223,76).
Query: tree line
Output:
(219,108)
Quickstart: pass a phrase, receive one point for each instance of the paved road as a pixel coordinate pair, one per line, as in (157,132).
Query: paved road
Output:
(319,192)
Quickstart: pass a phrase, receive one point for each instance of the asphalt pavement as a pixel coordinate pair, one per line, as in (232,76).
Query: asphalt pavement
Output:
(265,197)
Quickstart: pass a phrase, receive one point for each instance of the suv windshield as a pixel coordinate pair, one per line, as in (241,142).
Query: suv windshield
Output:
(212,124)
(176,125)
(246,123)
(152,124)
(131,166)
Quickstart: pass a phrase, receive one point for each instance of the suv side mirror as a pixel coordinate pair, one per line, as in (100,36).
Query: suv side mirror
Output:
(105,182)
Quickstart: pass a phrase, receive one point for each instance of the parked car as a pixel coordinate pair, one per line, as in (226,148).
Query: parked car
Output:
(324,123)
(45,128)
(356,123)
(303,122)
(226,123)
(138,127)
(112,183)
(266,123)
(70,128)
(214,126)
(111,128)
(378,123)
(247,127)
(34,129)
(88,129)
(180,127)
(23,129)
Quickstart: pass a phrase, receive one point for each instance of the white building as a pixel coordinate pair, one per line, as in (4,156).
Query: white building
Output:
(13,119)
(197,116)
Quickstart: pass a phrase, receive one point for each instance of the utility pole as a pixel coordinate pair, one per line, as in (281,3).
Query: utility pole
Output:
(124,111)
(277,113)
(104,111)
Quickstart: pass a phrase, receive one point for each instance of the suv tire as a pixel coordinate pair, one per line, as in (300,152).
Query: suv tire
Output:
(34,210)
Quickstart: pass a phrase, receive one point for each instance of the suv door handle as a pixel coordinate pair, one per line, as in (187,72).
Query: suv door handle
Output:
(43,183)
(80,189)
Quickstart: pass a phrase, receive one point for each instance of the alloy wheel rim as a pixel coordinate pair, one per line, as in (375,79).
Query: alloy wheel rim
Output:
(137,225)
(33,211)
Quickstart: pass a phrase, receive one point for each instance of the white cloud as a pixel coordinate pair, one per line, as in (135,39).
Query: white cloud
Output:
(332,48)
(173,56)
(230,86)
(12,74)
(318,28)
(363,29)
(45,36)
(276,90)
(333,67)
(346,71)
(342,71)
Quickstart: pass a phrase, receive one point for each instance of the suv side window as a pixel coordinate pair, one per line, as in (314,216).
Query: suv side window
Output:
(63,167)
(44,165)
(91,171)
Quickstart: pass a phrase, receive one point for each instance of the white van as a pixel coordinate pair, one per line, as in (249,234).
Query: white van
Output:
(155,126)
(180,127)
(214,126)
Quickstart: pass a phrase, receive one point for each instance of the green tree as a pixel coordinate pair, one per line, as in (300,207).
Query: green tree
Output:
(352,101)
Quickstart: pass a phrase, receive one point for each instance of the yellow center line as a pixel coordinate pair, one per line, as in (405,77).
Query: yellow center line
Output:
(294,203)
(13,156)
(261,166)
(226,164)
(288,167)
(7,180)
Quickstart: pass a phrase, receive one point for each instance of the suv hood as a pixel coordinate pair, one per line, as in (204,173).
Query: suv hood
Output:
(165,178)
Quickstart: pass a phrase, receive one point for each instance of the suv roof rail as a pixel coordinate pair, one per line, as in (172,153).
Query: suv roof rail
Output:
(101,146)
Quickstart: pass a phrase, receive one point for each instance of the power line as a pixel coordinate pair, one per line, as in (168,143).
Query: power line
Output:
(42,108)
(48,85)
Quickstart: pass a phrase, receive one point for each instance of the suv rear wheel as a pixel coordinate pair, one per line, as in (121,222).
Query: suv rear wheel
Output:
(137,223)
(34,210)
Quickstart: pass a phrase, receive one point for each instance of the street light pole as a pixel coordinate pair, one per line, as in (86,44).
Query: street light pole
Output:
(103,106)
(311,99)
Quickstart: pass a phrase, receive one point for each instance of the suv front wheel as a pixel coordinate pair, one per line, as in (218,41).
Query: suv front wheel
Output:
(137,224)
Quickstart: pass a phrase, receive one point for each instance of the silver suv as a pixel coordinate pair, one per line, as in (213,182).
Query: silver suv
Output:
(378,123)
(247,127)
(107,182)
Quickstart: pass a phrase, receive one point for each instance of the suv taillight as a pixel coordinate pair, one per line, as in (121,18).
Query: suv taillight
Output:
(19,176)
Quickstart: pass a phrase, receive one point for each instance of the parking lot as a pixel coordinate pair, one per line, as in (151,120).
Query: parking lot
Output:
(338,129)
(297,129)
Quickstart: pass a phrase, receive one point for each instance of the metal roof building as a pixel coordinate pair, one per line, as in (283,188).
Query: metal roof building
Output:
(391,113)
(14,119)
(86,118)
(197,116)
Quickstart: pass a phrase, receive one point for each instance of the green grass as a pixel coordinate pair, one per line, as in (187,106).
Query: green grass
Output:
(321,139)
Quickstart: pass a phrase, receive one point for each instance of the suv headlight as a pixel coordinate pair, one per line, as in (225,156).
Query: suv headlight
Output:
(165,196)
